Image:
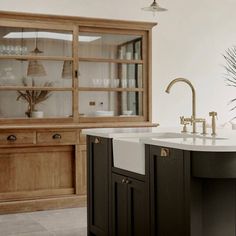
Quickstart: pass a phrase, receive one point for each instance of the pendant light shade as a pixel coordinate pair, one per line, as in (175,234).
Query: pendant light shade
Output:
(67,70)
(154,7)
(35,68)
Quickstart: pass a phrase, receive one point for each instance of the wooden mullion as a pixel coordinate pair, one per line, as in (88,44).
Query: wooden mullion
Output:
(75,106)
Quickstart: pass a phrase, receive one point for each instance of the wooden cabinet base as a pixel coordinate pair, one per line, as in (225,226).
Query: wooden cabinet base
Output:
(43,204)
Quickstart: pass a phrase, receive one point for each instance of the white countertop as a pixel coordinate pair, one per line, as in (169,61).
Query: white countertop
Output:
(122,132)
(225,141)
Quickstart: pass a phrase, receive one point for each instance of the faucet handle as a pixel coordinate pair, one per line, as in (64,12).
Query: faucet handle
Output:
(184,122)
(213,113)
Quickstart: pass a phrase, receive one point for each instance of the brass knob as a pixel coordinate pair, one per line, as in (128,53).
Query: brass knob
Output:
(123,181)
(11,138)
(165,152)
(128,181)
(56,136)
(97,140)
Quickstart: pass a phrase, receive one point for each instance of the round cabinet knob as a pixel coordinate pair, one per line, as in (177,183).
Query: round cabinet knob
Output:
(123,181)
(56,136)
(128,181)
(11,138)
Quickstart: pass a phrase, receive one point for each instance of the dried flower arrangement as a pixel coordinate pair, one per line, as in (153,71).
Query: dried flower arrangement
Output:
(33,97)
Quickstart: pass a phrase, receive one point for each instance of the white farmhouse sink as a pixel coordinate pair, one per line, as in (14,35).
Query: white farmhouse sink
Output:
(129,152)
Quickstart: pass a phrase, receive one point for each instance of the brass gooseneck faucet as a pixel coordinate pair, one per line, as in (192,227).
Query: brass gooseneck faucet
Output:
(193,120)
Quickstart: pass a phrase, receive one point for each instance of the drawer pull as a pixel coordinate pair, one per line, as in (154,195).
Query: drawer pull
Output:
(128,181)
(11,138)
(123,181)
(56,136)
(97,141)
(165,152)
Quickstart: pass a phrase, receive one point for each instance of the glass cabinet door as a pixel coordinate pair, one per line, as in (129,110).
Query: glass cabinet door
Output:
(111,81)
(36,73)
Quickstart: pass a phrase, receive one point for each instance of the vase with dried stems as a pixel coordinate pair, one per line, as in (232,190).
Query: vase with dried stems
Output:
(33,97)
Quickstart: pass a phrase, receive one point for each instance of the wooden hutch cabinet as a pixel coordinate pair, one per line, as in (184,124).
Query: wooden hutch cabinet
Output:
(58,75)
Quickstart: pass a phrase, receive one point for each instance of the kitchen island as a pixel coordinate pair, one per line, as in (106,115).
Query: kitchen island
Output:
(187,186)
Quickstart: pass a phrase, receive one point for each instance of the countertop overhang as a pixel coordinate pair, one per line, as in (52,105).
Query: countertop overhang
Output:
(225,141)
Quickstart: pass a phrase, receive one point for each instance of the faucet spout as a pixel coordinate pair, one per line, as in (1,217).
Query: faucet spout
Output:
(193,97)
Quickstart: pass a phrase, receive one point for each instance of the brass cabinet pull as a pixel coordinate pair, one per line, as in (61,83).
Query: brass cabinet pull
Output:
(165,152)
(11,138)
(97,140)
(56,136)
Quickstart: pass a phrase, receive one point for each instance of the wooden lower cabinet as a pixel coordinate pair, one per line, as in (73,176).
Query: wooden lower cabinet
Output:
(130,208)
(48,174)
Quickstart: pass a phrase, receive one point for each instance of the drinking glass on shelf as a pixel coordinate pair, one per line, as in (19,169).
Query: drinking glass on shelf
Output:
(17,50)
(124,83)
(24,50)
(106,83)
(2,49)
(115,83)
(131,83)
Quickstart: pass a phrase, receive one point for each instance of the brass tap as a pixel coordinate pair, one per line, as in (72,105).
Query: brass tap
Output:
(193,120)
(193,98)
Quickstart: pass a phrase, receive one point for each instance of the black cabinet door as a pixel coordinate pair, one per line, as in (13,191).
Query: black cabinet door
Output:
(167,191)
(119,206)
(99,159)
(138,208)
(130,207)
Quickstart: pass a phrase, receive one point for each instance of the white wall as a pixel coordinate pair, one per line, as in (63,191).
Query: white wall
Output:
(188,42)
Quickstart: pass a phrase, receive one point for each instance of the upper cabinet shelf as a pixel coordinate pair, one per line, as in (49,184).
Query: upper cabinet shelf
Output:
(121,61)
(35,57)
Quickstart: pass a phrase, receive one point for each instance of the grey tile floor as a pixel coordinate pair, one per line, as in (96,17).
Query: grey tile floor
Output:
(64,222)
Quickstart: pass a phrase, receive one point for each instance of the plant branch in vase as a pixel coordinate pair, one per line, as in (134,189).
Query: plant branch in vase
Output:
(230,58)
(33,97)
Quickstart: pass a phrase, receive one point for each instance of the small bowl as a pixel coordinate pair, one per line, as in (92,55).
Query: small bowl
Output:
(127,113)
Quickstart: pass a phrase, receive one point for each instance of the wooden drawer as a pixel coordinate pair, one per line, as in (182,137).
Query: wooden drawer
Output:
(14,138)
(52,137)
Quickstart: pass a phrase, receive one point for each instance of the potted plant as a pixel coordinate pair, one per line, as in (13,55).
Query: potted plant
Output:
(230,58)
(34,97)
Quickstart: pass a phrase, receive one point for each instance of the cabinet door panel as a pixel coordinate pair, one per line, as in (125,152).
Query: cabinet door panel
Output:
(98,186)
(119,206)
(167,189)
(138,209)
(35,172)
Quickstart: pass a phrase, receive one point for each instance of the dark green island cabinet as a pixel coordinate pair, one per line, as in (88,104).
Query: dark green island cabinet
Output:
(183,193)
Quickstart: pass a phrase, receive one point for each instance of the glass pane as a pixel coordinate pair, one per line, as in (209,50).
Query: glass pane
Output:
(110,75)
(111,104)
(110,46)
(15,104)
(23,72)
(41,42)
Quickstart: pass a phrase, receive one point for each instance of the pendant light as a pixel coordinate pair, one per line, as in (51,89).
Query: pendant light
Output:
(36,68)
(154,7)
